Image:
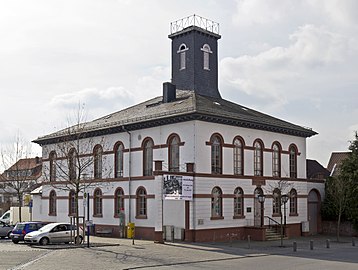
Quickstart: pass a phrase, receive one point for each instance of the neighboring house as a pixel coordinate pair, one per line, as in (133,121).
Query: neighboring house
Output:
(335,162)
(316,171)
(229,153)
(23,176)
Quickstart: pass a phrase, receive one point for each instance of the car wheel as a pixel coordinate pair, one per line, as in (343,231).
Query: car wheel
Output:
(15,241)
(44,241)
(78,240)
(8,235)
(2,237)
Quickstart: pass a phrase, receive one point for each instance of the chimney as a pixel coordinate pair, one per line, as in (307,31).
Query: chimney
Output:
(169,92)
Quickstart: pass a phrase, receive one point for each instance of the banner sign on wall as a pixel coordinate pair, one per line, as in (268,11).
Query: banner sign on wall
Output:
(177,187)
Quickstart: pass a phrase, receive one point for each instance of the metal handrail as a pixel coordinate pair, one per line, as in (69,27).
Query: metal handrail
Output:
(276,225)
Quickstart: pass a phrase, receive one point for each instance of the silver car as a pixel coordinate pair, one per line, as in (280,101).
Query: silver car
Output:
(5,229)
(54,233)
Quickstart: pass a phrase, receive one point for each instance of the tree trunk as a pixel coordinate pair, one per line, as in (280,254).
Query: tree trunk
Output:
(19,197)
(338,226)
(77,219)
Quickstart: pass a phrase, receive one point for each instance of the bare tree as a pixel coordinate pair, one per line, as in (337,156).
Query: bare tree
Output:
(75,162)
(337,199)
(281,193)
(22,172)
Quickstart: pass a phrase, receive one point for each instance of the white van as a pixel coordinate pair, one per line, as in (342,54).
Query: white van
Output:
(5,217)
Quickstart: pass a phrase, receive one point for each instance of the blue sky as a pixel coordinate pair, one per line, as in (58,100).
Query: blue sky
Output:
(295,60)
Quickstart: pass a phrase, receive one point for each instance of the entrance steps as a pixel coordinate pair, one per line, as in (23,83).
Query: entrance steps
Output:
(273,234)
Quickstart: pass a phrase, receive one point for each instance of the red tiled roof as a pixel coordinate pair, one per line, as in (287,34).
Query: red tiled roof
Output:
(26,164)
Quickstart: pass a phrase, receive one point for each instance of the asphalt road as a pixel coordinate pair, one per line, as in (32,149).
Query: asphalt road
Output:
(106,253)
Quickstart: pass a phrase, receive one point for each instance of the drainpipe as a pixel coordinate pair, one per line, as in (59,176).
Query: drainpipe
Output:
(129,175)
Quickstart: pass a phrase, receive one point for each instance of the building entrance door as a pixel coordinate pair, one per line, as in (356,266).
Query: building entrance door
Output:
(313,211)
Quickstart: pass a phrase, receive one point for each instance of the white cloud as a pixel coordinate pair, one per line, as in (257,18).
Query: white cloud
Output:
(296,67)
(343,12)
(93,96)
(261,12)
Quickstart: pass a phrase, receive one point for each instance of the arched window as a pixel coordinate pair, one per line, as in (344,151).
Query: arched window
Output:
(276,160)
(293,161)
(182,50)
(52,159)
(97,161)
(72,162)
(276,204)
(238,157)
(206,55)
(216,203)
(118,201)
(238,202)
(174,142)
(97,203)
(216,154)
(52,204)
(147,157)
(141,203)
(258,163)
(72,203)
(118,160)
(293,202)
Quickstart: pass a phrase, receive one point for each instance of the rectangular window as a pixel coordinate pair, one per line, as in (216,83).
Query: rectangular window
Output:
(182,60)
(238,161)
(206,61)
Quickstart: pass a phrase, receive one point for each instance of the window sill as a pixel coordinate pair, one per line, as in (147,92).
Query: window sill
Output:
(98,215)
(141,217)
(52,214)
(276,215)
(294,215)
(216,218)
(238,217)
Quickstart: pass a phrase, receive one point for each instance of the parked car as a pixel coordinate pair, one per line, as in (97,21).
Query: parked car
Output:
(5,229)
(54,233)
(22,228)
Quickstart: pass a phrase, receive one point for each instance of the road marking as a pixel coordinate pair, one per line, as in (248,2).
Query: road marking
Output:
(22,266)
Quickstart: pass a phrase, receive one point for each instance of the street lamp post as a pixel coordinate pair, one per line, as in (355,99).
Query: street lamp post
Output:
(284,199)
(261,199)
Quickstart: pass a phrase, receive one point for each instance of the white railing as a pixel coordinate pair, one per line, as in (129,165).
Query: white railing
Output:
(194,20)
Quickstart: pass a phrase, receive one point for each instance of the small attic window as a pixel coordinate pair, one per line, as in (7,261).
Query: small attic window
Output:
(217,103)
(245,109)
(206,53)
(182,61)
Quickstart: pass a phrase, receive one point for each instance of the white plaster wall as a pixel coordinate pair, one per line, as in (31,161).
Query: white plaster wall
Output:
(205,130)
(194,134)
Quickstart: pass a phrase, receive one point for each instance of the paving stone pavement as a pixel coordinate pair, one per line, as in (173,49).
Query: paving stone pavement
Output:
(109,253)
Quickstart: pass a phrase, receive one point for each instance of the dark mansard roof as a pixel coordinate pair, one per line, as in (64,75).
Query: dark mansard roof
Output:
(187,106)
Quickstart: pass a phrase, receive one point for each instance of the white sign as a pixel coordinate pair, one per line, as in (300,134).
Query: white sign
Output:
(177,187)
(89,223)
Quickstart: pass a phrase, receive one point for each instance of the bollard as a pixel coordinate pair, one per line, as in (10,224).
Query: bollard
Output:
(327,243)
(311,244)
(353,242)
(294,246)
(249,241)
(230,240)
(172,232)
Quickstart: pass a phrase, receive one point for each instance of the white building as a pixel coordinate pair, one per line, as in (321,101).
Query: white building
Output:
(232,153)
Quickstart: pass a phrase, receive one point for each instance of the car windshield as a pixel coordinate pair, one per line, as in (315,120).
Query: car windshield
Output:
(20,226)
(47,227)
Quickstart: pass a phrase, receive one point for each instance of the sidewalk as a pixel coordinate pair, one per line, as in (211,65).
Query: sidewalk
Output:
(114,253)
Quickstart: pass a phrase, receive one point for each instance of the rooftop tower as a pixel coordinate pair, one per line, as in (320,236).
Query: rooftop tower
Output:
(195,55)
